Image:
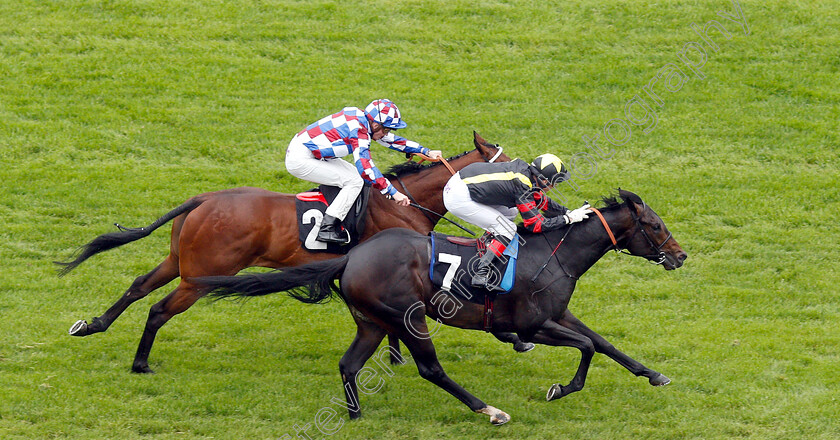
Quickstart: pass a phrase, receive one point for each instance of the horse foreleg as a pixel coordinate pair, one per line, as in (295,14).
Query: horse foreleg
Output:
(552,333)
(142,286)
(602,346)
(179,300)
(368,337)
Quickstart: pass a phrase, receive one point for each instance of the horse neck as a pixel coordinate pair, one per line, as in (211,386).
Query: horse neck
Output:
(383,213)
(590,241)
(426,186)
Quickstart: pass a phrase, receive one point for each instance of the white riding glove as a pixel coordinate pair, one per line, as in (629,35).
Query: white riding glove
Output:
(577,215)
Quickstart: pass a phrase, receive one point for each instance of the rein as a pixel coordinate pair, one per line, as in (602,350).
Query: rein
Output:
(423,158)
(427,211)
(534,278)
(660,257)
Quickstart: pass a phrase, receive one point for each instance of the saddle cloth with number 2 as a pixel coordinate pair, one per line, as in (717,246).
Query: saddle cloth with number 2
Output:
(310,207)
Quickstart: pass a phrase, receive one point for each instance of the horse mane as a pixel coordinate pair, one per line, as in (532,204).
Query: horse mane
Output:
(410,167)
(615,201)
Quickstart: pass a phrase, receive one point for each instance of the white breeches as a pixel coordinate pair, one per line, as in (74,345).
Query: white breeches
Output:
(336,172)
(496,219)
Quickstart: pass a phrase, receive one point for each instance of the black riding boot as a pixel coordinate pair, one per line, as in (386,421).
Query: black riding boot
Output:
(330,231)
(481,278)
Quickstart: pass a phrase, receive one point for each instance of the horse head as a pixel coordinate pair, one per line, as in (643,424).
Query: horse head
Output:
(644,234)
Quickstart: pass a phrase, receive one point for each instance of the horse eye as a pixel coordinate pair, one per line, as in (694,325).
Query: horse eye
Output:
(657,228)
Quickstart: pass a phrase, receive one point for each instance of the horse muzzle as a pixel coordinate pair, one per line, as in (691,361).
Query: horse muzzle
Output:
(669,261)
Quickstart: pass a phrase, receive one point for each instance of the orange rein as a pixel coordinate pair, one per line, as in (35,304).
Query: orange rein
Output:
(445,163)
(606,226)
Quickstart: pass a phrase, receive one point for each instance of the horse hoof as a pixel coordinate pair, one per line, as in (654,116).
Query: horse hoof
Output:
(79,328)
(555,392)
(660,380)
(497,416)
(500,418)
(523,347)
(142,370)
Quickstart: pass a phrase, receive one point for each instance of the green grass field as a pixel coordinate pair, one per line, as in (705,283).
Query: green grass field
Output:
(118,110)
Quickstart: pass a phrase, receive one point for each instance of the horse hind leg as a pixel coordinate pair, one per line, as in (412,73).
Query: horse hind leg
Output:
(519,345)
(178,301)
(368,337)
(396,354)
(423,351)
(140,288)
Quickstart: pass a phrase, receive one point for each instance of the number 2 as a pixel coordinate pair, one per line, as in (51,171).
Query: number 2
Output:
(313,216)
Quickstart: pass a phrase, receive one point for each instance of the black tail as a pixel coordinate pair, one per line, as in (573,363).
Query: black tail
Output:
(311,283)
(126,235)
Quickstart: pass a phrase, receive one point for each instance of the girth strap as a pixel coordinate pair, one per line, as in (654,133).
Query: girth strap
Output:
(488,312)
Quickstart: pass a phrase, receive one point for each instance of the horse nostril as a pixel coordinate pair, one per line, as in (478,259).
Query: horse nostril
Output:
(682,256)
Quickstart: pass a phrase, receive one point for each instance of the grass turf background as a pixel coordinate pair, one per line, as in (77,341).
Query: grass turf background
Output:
(117,111)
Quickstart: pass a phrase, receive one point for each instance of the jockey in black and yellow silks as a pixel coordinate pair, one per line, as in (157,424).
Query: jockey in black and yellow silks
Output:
(489,195)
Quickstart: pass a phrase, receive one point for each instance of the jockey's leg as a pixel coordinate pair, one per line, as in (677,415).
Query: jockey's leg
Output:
(456,198)
(495,246)
(335,172)
(345,176)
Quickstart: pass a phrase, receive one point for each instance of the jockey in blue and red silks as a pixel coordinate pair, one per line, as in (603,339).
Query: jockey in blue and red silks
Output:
(314,153)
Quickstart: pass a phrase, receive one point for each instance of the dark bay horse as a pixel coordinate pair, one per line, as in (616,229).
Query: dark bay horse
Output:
(385,284)
(223,232)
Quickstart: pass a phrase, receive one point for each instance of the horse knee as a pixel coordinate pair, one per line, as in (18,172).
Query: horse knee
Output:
(348,368)
(587,347)
(431,373)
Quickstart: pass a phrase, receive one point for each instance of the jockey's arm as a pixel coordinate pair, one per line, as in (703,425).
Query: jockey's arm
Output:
(549,207)
(368,170)
(532,217)
(400,143)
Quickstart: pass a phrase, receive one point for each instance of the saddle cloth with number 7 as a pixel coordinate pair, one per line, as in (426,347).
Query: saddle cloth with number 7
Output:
(453,264)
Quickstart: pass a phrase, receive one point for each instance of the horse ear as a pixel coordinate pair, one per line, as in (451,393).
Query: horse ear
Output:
(633,201)
(480,144)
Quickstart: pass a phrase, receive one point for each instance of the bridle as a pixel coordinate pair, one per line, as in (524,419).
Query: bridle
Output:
(658,257)
(499,150)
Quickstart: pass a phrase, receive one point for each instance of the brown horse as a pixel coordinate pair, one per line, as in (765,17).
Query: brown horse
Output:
(385,283)
(223,232)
